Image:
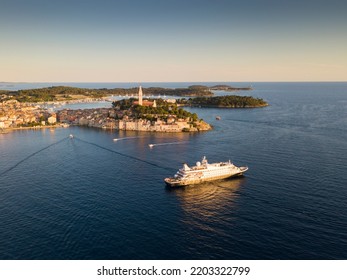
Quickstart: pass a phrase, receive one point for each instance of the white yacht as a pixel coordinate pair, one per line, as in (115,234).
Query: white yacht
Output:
(204,171)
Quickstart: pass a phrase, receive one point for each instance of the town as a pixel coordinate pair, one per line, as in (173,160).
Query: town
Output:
(14,114)
(156,115)
(127,114)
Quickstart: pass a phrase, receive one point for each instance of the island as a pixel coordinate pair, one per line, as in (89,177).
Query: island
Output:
(229,88)
(226,101)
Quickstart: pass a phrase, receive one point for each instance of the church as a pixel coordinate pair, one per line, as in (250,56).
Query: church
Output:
(142,102)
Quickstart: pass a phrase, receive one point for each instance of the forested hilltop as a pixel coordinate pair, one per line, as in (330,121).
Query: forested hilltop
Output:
(227,101)
(162,109)
(156,115)
(64,93)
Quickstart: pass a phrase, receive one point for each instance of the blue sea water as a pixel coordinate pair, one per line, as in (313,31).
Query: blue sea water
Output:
(93,198)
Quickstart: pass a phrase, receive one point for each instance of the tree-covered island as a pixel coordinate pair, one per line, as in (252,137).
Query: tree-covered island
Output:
(227,101)
(229,88)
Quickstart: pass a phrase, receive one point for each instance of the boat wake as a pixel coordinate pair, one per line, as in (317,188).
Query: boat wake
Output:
(31,155)
(164,144)
(126,138)
(122,154)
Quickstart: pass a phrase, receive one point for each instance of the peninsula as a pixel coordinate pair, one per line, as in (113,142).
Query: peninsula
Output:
(132,119)
(156,115)
(138,114)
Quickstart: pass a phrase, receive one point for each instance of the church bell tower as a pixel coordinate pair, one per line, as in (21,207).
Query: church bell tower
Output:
(140,95)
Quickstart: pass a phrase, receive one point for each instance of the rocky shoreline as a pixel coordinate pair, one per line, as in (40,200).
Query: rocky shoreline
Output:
(21,116)
(108,118)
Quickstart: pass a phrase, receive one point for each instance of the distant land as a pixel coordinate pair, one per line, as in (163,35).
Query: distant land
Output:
(64,93)
(227,101)
(229,88)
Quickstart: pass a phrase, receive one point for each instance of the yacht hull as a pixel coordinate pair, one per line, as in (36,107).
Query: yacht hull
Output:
(172,182)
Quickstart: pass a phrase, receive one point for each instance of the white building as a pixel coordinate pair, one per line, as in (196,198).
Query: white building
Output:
(52,119)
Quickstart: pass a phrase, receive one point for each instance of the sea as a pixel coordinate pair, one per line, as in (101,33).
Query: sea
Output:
(90,197)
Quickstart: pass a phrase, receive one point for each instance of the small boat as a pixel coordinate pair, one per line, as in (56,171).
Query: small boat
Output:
(218,118)
(151,145)
(71,136)
(115,139)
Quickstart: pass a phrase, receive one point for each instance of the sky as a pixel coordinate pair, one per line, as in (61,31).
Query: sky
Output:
(173,41)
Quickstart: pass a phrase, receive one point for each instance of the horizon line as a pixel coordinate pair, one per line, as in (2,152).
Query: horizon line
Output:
(132,82)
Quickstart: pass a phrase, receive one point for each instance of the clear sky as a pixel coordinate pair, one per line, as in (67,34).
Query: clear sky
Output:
(173,40)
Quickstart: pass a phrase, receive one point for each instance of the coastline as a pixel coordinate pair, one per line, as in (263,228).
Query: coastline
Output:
(159,128)
(108,118)
(124,115)
(11,129)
